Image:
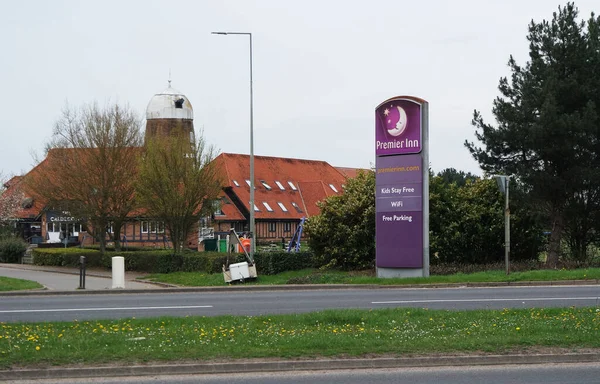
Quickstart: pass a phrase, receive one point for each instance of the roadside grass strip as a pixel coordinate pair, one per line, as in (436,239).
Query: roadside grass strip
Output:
(331,333)
(11,284)
(314,276)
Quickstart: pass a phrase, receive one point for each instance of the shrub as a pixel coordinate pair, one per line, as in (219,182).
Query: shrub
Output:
(68,257)
(342,235)
(272,263)
(11,249)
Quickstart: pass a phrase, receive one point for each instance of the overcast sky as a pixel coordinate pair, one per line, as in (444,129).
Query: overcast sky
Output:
(320,68)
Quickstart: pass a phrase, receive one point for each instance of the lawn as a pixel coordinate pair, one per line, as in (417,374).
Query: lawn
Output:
(332,333)
(312,276)
(10,284)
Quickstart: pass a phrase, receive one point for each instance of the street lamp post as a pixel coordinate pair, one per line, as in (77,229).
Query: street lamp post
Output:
(503,183)
(252,229)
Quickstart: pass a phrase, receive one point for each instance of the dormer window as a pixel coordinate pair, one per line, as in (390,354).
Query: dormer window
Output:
(280,185)
(296,207)
(333,188)
(236,183)
(267,186)
(292,186)
(179,103)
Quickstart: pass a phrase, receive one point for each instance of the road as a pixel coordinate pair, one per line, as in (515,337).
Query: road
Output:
(68,282)
(239,302)
(538,374)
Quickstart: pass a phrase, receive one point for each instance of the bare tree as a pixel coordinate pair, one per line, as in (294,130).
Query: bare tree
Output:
(11,198)
(91,167)
(178,183)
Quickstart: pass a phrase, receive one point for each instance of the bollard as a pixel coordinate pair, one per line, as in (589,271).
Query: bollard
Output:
(81,272)
(118,272)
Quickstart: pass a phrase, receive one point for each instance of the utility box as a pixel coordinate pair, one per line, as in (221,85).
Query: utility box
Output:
(239,272)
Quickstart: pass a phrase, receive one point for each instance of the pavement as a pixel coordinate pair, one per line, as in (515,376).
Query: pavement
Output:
(65,280)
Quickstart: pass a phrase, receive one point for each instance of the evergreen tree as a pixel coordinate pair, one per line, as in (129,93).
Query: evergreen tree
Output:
(548,119)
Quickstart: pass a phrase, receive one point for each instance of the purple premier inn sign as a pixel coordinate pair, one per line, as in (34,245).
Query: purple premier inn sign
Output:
(398,128)
(402,187)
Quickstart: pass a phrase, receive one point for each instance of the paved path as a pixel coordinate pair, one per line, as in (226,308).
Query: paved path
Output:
(67,279)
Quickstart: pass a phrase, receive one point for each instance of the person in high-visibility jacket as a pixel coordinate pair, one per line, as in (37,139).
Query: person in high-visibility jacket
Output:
(246,244)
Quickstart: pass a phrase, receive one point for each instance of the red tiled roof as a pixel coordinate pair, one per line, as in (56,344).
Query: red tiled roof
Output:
(312,193)
(310,178)
(230,211)
(350,172)
(49,166)
(13,181)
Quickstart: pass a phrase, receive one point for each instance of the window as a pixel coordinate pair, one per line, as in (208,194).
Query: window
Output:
(236,183)
(248,182)
(272,227)
(255,208)
(279,185)
(153,227)
(297,207)
(109,228)
(292,186)
(267,206)
(50,227)
(333,187)
(287,227)
(179,103)
(217,207)
(267,186)
(283,208)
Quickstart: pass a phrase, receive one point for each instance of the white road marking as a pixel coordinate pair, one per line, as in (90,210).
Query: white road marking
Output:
(104,309)
(483,299)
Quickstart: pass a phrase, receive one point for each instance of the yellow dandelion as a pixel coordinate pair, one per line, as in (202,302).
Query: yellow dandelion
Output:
(37,347)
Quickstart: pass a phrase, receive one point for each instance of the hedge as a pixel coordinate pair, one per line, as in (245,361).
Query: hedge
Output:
(163,261)
(272,263)
(68,257)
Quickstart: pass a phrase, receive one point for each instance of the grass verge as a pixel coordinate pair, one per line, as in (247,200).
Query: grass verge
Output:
(348,333)
(10,284)
(311,276)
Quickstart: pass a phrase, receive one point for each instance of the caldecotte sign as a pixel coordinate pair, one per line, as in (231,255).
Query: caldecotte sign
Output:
(402,187)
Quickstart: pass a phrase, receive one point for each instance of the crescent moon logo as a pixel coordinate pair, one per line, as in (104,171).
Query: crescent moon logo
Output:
(400,124)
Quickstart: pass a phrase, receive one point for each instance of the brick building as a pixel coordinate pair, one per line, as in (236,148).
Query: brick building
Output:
(286,190)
